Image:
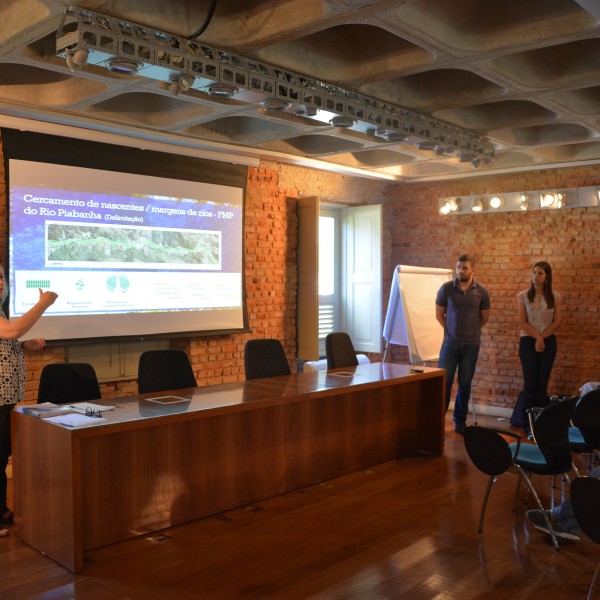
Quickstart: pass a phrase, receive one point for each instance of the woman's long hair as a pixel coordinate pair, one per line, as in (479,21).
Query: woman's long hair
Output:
(547,290)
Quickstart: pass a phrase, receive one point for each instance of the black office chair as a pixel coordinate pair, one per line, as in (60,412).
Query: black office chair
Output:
(161,370)
(491,454)
(585,436)
(340,350)
(66,383)
(265,358)
(551,453)
(585,501)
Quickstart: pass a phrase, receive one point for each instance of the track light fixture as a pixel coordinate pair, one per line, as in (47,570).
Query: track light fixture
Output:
(77,59)
(305,111)
(553,199)
(477,205)
(180,84)
(342,121)
(124,66)
(496,202)
(450,205)
(274,105)
(222,90)
(581,198)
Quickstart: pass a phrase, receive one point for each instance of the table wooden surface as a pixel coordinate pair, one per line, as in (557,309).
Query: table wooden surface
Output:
(152,463)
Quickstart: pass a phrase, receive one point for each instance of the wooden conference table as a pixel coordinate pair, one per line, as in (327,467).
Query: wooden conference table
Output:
(155,461)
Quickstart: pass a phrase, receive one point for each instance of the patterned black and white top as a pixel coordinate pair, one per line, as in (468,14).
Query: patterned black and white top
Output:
(12,371)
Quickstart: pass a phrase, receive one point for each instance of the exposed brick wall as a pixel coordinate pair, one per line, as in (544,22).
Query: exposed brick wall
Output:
(506,246)
(270,239)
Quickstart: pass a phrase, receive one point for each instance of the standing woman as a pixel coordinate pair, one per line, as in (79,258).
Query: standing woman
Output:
(540,312)
(12,377)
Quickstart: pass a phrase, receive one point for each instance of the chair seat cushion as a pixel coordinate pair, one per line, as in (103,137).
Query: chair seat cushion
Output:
(531,459)
(576,440)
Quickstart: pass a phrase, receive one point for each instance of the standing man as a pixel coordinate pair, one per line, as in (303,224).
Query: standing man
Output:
(462,308)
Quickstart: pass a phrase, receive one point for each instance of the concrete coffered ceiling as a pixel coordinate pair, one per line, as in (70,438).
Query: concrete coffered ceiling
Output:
(521,76)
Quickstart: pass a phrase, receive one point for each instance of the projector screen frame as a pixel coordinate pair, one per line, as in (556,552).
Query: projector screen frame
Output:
(57,150)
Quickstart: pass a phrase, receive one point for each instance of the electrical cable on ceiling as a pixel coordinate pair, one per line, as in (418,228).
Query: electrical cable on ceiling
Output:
(206,23)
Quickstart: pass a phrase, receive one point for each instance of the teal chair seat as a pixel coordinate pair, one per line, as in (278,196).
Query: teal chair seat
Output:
(531,459)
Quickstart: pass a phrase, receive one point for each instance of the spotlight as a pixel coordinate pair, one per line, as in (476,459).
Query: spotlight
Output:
(477,205)
(274,105)
(222,90)
(466,157)
(524,201)
(450,205)
(496,202)
(427,146)
(123,66)
(561,200)
(547,200)
(341,121)
(77,59)
(306,111)
(394,136)
(180,84)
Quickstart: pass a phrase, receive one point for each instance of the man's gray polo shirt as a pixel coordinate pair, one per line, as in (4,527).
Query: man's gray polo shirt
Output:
(463,320)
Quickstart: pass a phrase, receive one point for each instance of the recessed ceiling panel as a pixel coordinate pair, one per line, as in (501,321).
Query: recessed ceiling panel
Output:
(553,66)
(371,159)
(155,110)
(496,115)
(583,101)
(347,53)
(34,86)
(242,129)
(436,89)
(572,152)
(313,145)
(543,135)
(476,26)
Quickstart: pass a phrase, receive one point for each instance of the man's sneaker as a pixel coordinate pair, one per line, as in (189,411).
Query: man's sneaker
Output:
(564,529)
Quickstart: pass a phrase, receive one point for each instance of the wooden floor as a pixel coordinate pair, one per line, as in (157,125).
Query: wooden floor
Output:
(405,529)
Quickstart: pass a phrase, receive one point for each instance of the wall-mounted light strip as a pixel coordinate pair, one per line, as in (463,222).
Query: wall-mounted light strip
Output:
(556,199)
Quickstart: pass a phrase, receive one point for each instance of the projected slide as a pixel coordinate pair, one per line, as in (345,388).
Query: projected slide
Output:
(110,242)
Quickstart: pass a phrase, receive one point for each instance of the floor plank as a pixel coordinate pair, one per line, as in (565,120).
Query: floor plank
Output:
(403,529)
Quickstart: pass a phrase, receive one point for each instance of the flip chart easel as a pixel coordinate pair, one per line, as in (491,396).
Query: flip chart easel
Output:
(410,320)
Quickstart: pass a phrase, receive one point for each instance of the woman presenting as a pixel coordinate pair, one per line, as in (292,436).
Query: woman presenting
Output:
(12,378)
(539,309)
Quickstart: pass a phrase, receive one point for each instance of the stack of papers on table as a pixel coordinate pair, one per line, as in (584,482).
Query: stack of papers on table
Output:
(73,415)
(82,407)
(73,419)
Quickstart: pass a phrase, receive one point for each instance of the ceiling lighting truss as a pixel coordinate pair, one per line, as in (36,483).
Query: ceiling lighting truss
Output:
(165,57)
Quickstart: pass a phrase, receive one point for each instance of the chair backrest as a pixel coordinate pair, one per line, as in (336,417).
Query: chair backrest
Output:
(265,358)
(66,383)
(487,449)
(340,350)
(161,370)
(587,417)
(585,501)
(551,433)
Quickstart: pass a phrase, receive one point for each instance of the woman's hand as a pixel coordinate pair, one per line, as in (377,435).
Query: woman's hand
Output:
(34,344)
(539,344)
(47,298)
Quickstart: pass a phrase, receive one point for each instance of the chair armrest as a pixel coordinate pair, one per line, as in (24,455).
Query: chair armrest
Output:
(532,414)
